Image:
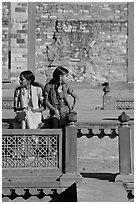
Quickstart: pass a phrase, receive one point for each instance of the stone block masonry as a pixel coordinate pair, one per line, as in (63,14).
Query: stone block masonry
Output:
(90,39)
(19,30)
(5,39)
(15,38)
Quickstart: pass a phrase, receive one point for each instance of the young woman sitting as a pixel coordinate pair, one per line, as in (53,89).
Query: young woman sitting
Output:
(28,102)
(56,93)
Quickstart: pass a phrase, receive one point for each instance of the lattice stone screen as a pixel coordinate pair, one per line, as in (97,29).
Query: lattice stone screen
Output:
(38,149)
(124,104)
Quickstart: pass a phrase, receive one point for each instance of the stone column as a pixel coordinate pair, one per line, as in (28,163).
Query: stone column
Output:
(125,155)
(107,103)
(124,145)
(18,38)
(69,166)
(31,36)
(70,148)
(130,73)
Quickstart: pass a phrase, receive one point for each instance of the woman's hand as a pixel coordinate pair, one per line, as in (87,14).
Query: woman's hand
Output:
(56,113)
(71,109)
(33,110)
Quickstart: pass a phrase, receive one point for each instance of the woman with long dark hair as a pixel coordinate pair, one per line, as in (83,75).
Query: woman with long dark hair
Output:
(56,93)
(28,102)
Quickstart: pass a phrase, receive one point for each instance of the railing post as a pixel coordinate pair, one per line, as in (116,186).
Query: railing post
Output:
(107,103)
(69,153)
(70,148)
(124,145)
(125,151)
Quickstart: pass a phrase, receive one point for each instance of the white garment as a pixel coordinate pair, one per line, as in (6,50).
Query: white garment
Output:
(27,99)
(32,119)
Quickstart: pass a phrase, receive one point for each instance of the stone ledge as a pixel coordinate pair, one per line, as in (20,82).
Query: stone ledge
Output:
(127,180)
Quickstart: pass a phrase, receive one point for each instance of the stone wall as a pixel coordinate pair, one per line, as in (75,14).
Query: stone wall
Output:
(16,38)
(90,39)
(19,37)
(5,39)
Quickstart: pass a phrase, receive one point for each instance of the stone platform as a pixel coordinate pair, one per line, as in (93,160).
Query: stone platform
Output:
(95,190)
(91,189)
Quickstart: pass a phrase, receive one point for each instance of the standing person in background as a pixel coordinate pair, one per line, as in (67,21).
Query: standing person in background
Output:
(55,97)
(28,102)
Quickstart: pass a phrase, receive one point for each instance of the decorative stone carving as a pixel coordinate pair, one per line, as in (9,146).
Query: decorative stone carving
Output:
(123,118)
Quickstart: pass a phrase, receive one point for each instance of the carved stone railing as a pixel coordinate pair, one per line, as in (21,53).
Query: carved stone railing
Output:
(47,158)
(7,103)
(31,149)
(117,103)
(98,130)
(109,103)
(125,133)
(123,103)
(43,159)
(31,160)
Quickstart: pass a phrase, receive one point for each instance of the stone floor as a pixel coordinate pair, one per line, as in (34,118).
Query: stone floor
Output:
(95,190)
(98,189)
(89,190)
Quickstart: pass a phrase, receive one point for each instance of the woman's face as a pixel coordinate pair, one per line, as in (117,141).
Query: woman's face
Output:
(63,78)
(23,81)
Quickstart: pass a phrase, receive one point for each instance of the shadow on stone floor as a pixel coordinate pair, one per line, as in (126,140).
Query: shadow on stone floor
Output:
(69,195)
(101,176)
(116,119)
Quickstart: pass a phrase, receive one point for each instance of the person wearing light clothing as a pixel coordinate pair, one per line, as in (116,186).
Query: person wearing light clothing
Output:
(28,102)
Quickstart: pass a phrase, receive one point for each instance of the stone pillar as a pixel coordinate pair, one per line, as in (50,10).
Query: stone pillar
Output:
(70,148)
(31,36)
(107,103)
(18,38)
(69,161)
(130,73)
(124,145)
(125,154)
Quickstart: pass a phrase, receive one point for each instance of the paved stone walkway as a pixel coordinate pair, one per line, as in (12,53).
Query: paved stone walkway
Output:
(94,190)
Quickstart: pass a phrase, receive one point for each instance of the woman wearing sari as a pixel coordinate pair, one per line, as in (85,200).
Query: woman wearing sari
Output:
(28,102)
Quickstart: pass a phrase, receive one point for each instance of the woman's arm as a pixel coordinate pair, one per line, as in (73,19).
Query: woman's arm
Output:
(53,109)
(75,101)
(16,100)
(46,101)
(71,92)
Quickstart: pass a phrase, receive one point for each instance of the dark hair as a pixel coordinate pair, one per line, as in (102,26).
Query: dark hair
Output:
(60,71)
(28,75)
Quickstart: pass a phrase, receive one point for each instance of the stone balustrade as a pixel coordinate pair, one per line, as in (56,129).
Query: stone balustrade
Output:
(54,153)
(118,103)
